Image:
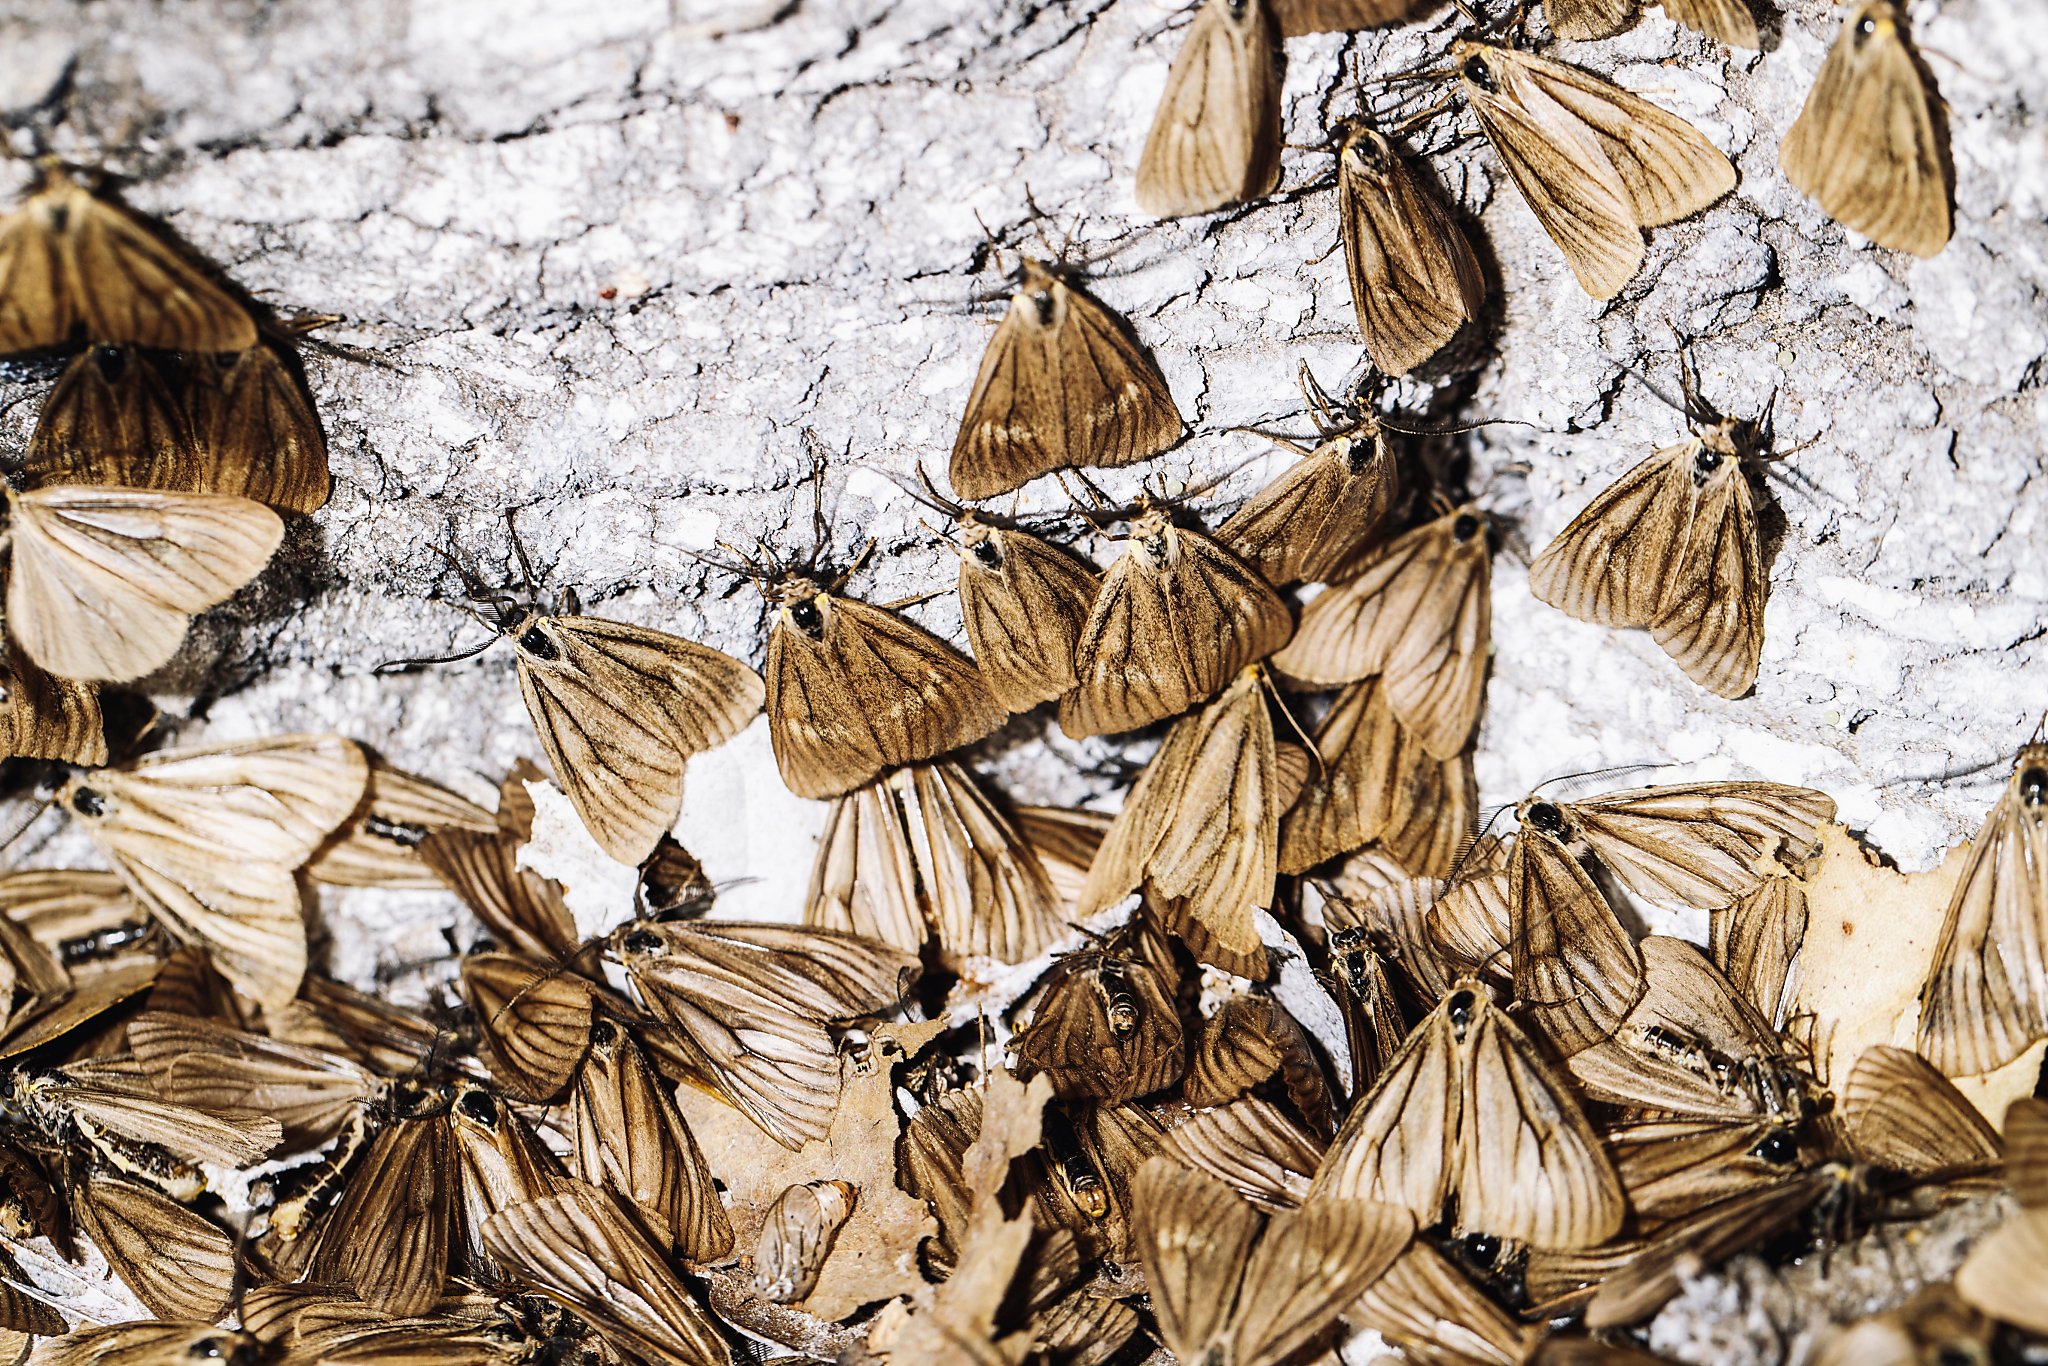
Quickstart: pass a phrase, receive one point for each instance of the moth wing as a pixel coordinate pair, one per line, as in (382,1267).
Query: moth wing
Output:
(132,287)
(534,1023)
(1995,1278)
(1585,21)
(522,909)
(104,581)
(1350,630)
(1351,799)
(989,894)
(580,1249)
(1298,18)
(36,307)
(179,1265)
(1756,942)
(1667,168)
(1429,1308)
(1399,1144)
(112,421)
(1414,278)
(1986,995)
(1309,1266)
(390,1234)
(1215,139)
(1123,858)
(1866,146)
(865,878)
(130,1107)
(1003,442)
(1118,407)
(45,717)
(208,840)
(1564,175)
(1726,21)
(1902,1114)
(1703,844)
(1306,522)
(1193,1236)
(255,428)
(1024,619)
(629,1135)
(379,845)
(1220,848)
(1435,813)
(230,1072)
(1712,624)
(1252,1146)
(1577,973)
(1617,561)
(1435,673)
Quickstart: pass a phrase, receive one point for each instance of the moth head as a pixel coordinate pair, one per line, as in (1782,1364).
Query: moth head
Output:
(1240,10)
(84,801)
(980,541)
(2030,777)
(1475,65)
(802,601)
(1152,530)
(1779,1147)
(1546,818)
(1040,292)
(1468,524)
(530,635)
(640,942)
(234,1348)
(1459,1008)
(1879,19)
(474,1105)
(1365,151)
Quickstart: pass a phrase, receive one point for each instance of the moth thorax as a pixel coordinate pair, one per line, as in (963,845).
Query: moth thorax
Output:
(1475,69)
(1868,23)
(88,803)
(642,942)
(1368,153)
(538,643)
(1706,463)
(1152,536)
(6,686)
(986,550)
(1467,525)
(1120,1004)
(1086,1188)
(1459,1008)
(1779,1147)
(807,618)
(478,1106)
(1239,10)
(603,1035)
(1546,819)
(2032,782)
(1356,452)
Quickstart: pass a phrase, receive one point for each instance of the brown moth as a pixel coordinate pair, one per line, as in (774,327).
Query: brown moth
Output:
(1252,1040)
(502,1162)
(1215,140)
(1726,21)
(797,1236)
(1105,1026)
(1254,1147)
(1470,1108)
(1901,1114)
(75,266)
(1577,973)
(1300,17)
(1024,601)
(1756,942)
(748,1007)
(1986,996)
(579,1248)
(1202,822)
(1589,20)
(855,690)
(379,846)
(1596,164)
(630,1137)
(236,423)
(1374,1024)
(673,884)
(1869,144)
(1377,784)
(1230,1284)
(1064,384)
(44,717)
(1432,1311)
(103,582)
(1414,279)
(1178,617)
(1309,520)
(179,1265)
(1420,615)
(394,1228)
(150,1342)
(1090,1156)
(1671,547)
(924,853)
(236,1075)
(620,709)
(533,1020)
(207,841)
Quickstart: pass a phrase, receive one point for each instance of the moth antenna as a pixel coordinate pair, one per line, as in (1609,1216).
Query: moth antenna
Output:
(526,575)
(854,568)
(738,567)
(24,826)
(394,666)
(930,497)
(913,600)
(1617,770)
(1460,429)
(1266,682)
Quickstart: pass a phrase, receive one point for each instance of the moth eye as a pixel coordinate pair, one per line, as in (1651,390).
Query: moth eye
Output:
(1481,1249)
(806,618)
(1547,818)
(87,802)
(988,554)
(2034,785)
(1955,1354)
(1704,464)
(479,1106)
(1777,1147)
(1460,1010)
(1865,27)
(60,218)
(1465,528)
(603,1034)
(111,361)
(1480,74)
(534,641)
(642,941)
(207,1349)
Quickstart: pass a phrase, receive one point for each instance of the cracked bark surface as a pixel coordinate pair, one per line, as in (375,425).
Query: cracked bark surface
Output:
(598,267)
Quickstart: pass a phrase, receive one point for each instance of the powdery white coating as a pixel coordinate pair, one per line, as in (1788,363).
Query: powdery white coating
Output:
(600,273)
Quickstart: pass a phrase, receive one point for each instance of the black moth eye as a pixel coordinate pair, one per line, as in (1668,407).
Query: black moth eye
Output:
(603,1033)
(988,554)
(87,802)
(1042,301)
(1777,1147)
(479,1106)
(535,642)
(808,619)
(111,361)
(2034,786)
(1460,1011)
(1704,464)
(1547,818)
(1465,528)
(1480,74)
(207,1349)
(1866,26)
(1481,1249)
(642,941)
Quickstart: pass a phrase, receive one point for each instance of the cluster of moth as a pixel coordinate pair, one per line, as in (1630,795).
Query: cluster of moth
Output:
(1285,1048)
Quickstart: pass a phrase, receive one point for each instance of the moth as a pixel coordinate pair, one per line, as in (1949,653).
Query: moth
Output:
(747,1007)
(501,1163)
(1756,940)
(2000,1276)
(74,266)
(1378,784)
(1254,1147)
(1177,618)
(1414,279)
(103,582)
(180,1265)
(1202,821)
(1869,144)
(620,709)
(150,1342)
(1374,1023)
(524,912)
(797,1236)
(44,717)
(1064,384)
(855,690)
(1900,1114)
(1596,164)
(1106,1026)
(1986,995)
(1420,615)
(1305,524)
(925,853)
(673,884)
(1230,1284)
(1215,140)
(207,841)
(379,846)
(1672,548)
(1249,1042)
(579,1248)
(122,1120)
(630,1137)
(1469,1108)
(311,1093)
(1024,602)
(1727,21)
(1429,1308)
(1576,972)
(533,1020)
(1090,1156)
(236,423)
